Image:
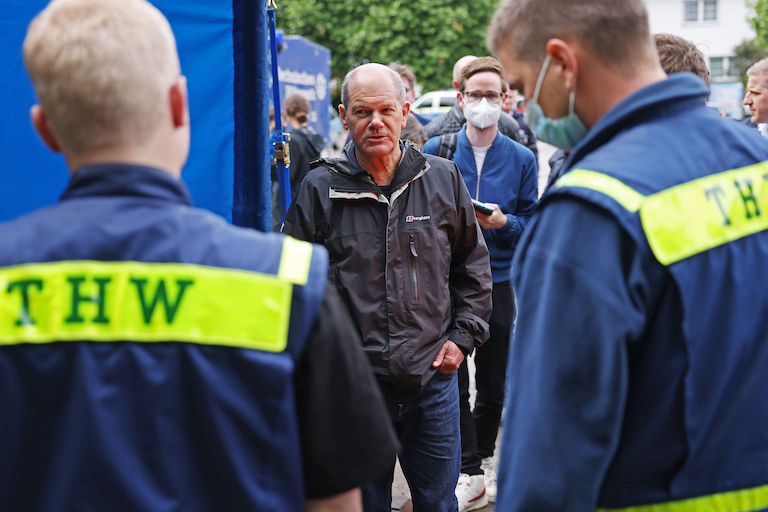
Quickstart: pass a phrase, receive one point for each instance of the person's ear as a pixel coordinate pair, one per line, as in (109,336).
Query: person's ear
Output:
(343,116)
(563,57)
(406,110)
(43,127)
(179,102)
(460,99)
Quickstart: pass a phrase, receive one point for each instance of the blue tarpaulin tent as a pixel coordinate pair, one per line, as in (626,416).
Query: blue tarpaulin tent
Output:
(223,51)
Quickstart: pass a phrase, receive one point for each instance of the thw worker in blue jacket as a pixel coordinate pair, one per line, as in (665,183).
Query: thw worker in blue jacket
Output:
(638,369)
(153,357)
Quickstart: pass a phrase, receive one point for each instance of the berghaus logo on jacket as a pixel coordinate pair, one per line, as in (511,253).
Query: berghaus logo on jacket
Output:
(411,218)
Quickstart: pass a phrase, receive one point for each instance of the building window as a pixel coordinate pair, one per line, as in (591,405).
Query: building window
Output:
(733,70)
(716,67)
(692,11)
(700,10)
(710,10)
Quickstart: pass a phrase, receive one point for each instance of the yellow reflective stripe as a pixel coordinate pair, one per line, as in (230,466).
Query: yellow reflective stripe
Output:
(295,261)
(705,213)
(626,196)
(745,500)
(146,302)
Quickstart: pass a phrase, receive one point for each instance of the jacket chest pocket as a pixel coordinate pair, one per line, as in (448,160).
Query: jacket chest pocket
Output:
(413,266)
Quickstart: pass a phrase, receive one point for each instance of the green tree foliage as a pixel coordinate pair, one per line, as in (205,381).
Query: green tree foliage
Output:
(747,53)
(759,21)
(428,35)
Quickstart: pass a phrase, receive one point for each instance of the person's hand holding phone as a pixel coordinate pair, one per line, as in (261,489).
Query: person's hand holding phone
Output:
(489,215)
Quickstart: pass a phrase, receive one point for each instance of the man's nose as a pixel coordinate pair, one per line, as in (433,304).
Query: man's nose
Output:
(376,119)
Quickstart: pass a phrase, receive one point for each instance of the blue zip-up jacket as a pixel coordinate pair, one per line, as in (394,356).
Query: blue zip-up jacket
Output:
(637,373)
(148,352)
(509,179)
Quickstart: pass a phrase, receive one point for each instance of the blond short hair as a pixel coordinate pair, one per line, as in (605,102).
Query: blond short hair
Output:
(760,70)
(102,70)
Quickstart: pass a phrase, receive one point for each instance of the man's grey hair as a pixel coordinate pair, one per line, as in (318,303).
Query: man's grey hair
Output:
(616,31)
(349,78)
(405,71)
(759,69)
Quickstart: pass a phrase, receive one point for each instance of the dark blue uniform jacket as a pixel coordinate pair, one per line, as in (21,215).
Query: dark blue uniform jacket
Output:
(638,369)
(128,371)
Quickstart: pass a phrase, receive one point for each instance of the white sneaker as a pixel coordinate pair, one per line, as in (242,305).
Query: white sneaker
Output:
(489,469)
(470,491)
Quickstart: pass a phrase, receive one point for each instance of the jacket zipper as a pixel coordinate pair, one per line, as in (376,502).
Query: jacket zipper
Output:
(477,190)
(390,202)
(414,274)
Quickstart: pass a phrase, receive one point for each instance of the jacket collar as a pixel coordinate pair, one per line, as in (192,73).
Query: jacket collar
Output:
(125,180)
(348,176)
(680,91)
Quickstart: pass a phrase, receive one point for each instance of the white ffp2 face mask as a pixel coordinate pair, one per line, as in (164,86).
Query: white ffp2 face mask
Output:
(482,113)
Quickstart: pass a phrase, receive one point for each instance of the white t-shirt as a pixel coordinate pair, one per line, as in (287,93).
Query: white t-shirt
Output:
(480,153)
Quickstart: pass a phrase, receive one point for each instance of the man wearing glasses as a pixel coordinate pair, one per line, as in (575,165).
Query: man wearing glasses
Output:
(501,176)
(452,121)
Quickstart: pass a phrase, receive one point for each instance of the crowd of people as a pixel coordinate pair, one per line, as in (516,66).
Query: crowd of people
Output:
(154,357)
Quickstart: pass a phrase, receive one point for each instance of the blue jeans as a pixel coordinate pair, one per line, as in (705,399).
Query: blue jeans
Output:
(428,429)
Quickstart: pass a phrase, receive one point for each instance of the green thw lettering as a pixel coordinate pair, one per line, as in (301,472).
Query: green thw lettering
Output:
(148,309)
(25,318)
(717,194)
(99,300)
(748,196)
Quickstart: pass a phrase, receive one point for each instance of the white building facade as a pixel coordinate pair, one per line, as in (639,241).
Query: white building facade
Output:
(716,27)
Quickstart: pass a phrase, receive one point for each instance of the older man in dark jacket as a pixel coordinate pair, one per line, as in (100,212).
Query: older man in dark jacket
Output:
(409,259)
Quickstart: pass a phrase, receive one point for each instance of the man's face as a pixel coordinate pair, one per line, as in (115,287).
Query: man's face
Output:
(486,82)
(757,99)
(553,95)
(374,115)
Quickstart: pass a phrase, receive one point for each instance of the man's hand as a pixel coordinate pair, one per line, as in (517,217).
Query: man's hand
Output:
(449,358)
(495,220)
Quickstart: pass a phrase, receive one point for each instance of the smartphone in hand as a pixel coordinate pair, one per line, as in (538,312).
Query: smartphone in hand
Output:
(482,207)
